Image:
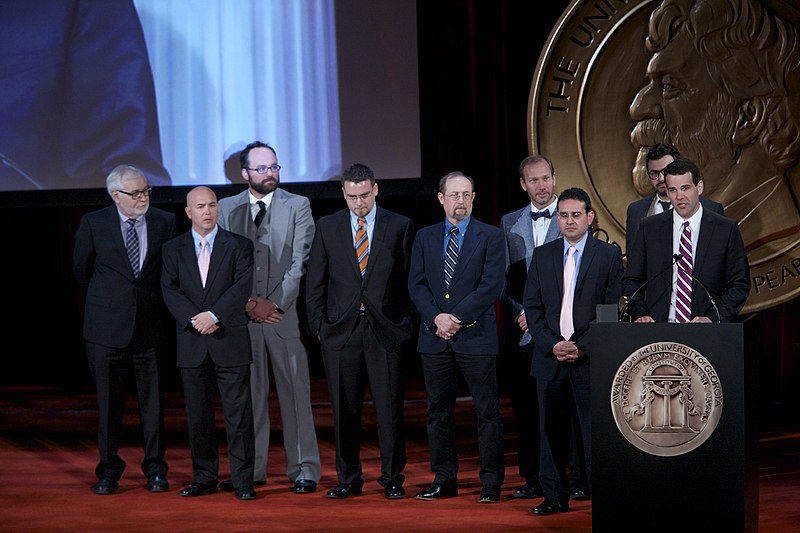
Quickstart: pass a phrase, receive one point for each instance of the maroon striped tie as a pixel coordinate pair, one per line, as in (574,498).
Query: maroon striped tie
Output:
(683,298)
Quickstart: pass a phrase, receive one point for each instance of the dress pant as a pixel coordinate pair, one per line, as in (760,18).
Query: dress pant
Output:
(289,362)
(237,408)
(441,383)
(570,386)
(525,407)
(363,360)
(110,368)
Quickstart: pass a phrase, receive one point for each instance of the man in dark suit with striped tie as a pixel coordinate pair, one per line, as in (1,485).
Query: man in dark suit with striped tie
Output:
(457,276)
(358,306)
(117,259)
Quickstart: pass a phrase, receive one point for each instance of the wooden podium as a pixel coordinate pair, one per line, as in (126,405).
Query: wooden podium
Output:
(641,477)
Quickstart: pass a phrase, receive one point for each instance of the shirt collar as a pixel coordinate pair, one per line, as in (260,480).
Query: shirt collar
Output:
(553,207)
(209,238)
(267,199)
(370,217)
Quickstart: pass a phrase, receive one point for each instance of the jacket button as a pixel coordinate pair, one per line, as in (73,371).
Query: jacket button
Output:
(447,296)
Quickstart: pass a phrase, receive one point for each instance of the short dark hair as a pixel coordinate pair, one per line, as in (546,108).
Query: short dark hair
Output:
(661,150)
(681,165)
(531,159)
(244,155)
(357,173)
(576,193)
(454,174)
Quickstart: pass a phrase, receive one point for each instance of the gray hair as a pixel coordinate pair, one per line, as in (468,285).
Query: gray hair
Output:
(122,173)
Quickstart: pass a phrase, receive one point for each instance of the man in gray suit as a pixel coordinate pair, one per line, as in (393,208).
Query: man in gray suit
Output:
(281,227)
(524,230)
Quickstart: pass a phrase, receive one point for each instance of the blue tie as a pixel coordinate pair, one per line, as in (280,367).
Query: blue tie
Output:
(536,215)
(451,257)
(132,246)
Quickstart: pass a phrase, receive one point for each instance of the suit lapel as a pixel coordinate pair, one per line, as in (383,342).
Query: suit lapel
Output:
(558,266)
(218,253)
(468,248)
(378,238)
(553,231)
(524,228)
(279,215)
(589,251)
(345,240)
(119,242)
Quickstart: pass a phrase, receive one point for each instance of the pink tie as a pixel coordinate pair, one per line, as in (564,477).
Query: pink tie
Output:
(683,298)
(567,327)
(203,260)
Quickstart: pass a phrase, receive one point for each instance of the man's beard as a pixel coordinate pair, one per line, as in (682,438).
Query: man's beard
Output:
(264,187)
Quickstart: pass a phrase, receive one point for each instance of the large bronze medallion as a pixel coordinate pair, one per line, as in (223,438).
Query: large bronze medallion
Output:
(718,79)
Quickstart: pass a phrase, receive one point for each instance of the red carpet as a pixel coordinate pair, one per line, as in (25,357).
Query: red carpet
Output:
(48,454)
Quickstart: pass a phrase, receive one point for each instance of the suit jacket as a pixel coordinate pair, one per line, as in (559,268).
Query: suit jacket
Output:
(230,279)
(335,289)
(720,264)
(281,249)
(644,207)
(113,294)
(518,231)
(598,282)
(476,285)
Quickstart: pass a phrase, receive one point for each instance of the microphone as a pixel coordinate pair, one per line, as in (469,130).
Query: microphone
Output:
(623,313)
(708,293)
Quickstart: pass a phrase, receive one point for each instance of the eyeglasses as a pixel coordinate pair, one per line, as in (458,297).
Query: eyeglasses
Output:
(138,195)
(655,174)
(454,196)
(575,215)
(263,169)
(363,197)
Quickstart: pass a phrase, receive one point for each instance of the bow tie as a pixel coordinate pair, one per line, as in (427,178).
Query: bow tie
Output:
(666,206)
(535,215)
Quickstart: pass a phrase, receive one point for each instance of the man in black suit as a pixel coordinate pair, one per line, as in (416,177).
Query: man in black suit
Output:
(457,275)
(682,274)
(567,279)
(358,306)
(117,260)
(207,278)
(658,157)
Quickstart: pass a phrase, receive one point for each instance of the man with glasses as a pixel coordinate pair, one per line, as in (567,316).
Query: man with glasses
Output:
(658,157)
(457,275)
(567,279)
(281,228)
(117,260)
(358,307)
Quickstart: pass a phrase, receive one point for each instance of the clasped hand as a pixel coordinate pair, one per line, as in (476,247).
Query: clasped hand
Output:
(263,310)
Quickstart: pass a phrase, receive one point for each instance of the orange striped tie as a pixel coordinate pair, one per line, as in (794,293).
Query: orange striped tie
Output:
(362,246)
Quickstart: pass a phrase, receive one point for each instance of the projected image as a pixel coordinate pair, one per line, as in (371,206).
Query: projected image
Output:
(178,88)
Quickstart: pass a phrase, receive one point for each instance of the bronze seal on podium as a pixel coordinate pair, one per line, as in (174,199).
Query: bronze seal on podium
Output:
(666,398)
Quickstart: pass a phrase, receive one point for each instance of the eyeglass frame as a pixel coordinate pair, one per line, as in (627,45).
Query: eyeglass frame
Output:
(654,175)
(454,196)
(264,169)
(137,195)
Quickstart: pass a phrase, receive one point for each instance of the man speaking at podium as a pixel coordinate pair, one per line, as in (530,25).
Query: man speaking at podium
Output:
(687,264)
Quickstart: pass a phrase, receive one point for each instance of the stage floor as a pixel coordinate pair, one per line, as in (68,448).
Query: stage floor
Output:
(48,454)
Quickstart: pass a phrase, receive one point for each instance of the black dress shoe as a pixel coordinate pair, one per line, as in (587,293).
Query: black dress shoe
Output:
(226,486)
(490,494)
(245,492)
(157,483)
(528,491)
(550,506)
(199,489)
(580,494)
(304,486)
(437,491)
(105,485)
(394,491)
(344,490)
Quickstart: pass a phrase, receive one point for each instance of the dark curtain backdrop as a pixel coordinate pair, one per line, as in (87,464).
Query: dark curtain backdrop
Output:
(476,64)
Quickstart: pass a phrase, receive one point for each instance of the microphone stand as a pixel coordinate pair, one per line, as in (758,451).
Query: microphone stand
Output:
(623,313)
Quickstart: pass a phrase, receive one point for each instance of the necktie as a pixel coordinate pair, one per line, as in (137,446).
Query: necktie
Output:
(567,326)
(683,296)
(262,210)
(362,246)
(132,246)
(451,256)
(203,260)
(666,206)
(536,215)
